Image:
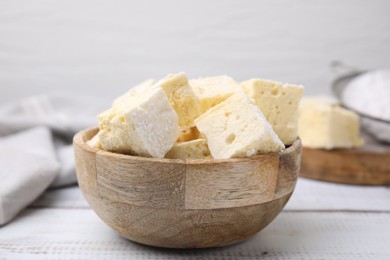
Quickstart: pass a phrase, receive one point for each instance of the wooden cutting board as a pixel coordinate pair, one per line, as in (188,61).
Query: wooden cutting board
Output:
(369,165)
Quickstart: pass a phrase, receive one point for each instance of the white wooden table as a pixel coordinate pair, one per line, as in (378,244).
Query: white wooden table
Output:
(321,221)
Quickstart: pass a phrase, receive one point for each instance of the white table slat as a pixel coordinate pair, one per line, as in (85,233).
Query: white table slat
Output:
(318,195)
(79,233)
(69,197)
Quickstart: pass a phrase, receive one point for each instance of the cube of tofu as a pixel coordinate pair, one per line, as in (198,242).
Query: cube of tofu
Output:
(324,124)
(122,101)
(279,103)
(194,149)
(146,125)
(213,90)
(179,93)
(237,128)
(182,98)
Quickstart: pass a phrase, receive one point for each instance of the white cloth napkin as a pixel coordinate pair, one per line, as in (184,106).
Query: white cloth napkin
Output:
(36,146)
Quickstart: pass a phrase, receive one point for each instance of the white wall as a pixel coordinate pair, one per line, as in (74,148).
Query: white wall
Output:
(105,47)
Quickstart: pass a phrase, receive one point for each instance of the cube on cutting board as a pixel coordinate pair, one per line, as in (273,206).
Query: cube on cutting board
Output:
(237,128)
(279,103)
(324,124)
(146,125)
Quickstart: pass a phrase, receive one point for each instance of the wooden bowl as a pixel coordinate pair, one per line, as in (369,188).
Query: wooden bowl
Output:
(178,203)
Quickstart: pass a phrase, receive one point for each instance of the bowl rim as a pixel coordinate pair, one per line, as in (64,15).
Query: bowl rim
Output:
(80,140)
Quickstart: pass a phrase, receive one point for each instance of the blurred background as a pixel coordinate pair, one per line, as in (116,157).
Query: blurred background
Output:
(102,48)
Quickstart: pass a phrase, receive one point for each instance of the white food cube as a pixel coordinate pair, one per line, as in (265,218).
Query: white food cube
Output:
(123,100)
(324,124)
(146,125)
(279,103)
(213,90)
(182,98)
(237,128)
(194,149)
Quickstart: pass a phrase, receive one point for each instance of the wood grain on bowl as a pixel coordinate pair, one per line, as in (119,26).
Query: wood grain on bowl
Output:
(185,203)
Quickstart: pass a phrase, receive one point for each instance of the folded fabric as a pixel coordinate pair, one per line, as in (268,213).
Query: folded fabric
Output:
(28,166)
(36,146)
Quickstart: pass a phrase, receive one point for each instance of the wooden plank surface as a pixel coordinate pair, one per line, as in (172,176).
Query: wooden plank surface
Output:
(54,233)
(321,221)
